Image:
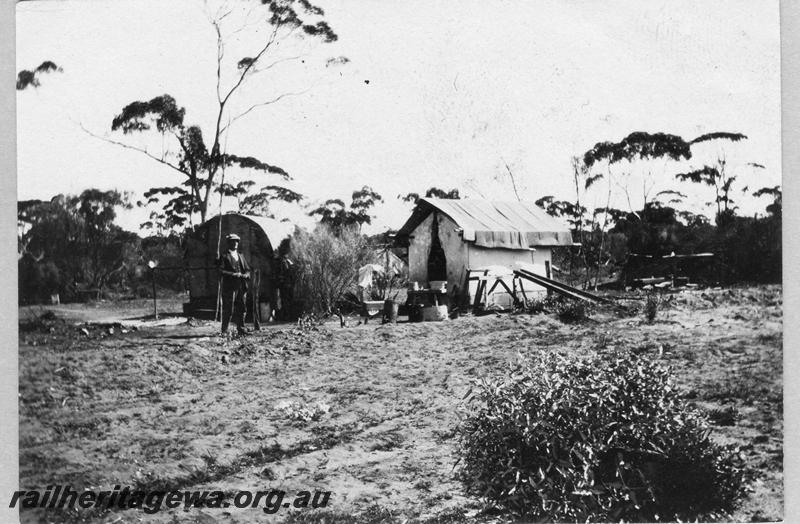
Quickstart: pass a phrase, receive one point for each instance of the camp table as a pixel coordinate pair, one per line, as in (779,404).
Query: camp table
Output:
(427,296)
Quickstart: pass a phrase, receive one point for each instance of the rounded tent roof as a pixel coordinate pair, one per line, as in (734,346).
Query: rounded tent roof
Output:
(274,230)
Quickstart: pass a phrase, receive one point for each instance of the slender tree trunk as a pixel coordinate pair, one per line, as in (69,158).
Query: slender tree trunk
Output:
(603,233)
(578,212)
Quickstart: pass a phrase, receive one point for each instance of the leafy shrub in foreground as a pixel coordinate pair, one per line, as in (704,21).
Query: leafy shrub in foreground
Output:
(594,440)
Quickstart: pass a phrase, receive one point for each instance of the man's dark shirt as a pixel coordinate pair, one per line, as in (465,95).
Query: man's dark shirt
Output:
(233,262)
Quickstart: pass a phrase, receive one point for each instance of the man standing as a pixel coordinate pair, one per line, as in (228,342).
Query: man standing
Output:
(235,274)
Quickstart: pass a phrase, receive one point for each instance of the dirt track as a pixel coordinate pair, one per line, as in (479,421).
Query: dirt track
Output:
(177,407)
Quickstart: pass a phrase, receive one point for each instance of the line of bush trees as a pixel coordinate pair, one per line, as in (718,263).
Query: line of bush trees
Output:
(634,172)
(745,249)
(70,246)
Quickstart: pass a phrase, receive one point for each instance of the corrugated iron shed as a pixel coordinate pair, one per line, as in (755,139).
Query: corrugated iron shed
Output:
(495,224)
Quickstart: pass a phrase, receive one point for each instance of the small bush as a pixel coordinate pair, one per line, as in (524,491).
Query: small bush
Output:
(374,514)
(724,417)
(566,309)
(571,311)
(547,304)
(651,304)
(303,412)
(40,323)
(326,266)
(594,440)
(308,322)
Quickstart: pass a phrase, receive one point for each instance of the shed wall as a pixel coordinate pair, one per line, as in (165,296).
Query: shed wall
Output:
(461,255)
(456,250)
(419,249)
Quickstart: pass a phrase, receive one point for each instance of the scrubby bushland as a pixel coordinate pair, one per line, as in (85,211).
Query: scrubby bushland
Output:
(71,243)
(596,439)
(746,248)
(326,266)
(167,253)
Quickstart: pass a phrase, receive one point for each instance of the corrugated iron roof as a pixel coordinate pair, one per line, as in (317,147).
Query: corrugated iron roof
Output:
(495,224)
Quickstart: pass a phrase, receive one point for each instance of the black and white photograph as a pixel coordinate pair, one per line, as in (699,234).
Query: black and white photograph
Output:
(371,262)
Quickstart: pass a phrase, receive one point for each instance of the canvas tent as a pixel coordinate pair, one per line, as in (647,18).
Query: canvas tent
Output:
(390,261)
(445,238)
(260,236)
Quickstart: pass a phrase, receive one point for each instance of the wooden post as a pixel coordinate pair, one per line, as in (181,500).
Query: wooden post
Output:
(497,281)
(547,274)
(479,291)
(155,300)
(524,296)
(256,276)
(463,298)
(342,323)
(517,301)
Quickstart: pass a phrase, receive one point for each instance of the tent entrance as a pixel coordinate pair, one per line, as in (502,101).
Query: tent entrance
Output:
(437,262)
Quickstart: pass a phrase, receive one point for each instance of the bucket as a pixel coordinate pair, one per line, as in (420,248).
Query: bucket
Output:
(390,308)
(434,313)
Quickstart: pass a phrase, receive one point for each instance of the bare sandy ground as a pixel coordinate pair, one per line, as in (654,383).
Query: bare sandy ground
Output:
(177,407)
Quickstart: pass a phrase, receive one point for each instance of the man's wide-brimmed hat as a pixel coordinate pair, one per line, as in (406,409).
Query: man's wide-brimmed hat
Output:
(233,236)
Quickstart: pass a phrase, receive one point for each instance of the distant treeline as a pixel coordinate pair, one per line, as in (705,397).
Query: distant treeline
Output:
(71,246)
(745,249)
(646,173)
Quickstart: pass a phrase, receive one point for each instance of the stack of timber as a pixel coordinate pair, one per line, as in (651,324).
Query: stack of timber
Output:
(560,287)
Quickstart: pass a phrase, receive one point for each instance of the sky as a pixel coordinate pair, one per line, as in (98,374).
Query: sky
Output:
(432,95)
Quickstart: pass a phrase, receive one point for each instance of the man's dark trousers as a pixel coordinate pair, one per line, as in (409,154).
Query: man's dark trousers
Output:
(233,289)
(234,306)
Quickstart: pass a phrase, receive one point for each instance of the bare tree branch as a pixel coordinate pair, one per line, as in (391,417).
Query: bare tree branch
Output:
(472,184)
(224,101)
(247,24)
(628,198)
(133,148)
(246,69)
(268,102)
(276,62)
(513,182)
(220,55)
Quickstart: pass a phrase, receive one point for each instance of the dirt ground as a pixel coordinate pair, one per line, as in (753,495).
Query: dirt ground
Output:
(171,405)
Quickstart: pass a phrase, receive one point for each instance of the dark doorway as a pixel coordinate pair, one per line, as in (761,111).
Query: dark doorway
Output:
(437,262)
